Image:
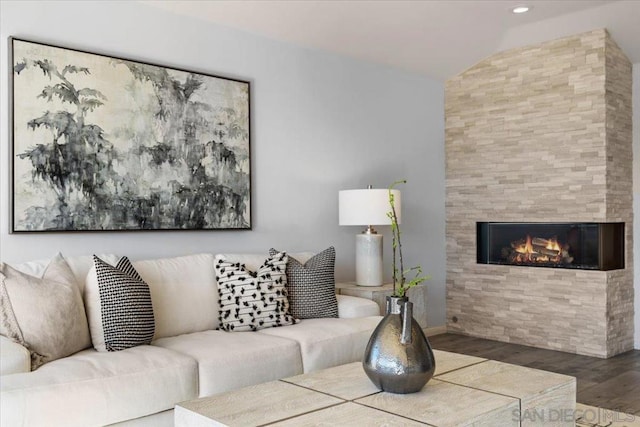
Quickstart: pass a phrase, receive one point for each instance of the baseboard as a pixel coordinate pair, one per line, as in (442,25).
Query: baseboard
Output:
(436,330)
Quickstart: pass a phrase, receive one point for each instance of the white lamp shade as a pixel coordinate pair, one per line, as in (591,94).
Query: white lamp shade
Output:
(367,206)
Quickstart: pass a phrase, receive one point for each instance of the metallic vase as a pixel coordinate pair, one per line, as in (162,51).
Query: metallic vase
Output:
(399,358)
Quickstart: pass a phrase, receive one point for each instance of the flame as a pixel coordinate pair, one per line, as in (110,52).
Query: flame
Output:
(553,244)
(526,251)
(527,248)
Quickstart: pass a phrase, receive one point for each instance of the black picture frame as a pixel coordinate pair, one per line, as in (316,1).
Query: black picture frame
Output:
(104,143)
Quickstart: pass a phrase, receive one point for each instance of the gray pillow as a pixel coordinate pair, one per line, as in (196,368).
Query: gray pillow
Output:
(44,314)
(312,286)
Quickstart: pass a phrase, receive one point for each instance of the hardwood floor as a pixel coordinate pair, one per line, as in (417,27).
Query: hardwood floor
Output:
(612,383)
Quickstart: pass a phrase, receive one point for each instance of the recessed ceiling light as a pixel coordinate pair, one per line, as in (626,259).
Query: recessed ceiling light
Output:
(520,9)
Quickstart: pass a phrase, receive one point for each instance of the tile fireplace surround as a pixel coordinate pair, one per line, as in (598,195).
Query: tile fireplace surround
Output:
(541,134)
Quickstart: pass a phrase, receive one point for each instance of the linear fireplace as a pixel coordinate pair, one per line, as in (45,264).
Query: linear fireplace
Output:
(587,246)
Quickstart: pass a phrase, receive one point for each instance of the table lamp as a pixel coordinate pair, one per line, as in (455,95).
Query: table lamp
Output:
(368,207)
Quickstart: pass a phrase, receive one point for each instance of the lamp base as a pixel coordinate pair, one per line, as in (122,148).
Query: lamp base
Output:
(369,259)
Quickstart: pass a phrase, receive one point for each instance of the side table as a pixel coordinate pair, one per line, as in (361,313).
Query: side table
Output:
(378,294)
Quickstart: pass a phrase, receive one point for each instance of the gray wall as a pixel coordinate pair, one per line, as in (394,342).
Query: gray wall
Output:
(320,123)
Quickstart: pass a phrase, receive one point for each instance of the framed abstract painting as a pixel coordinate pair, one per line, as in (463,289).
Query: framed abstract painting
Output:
(101,143)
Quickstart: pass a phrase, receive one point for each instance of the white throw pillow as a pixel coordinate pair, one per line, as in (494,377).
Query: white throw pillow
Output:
(44,314)
(184,293)
(79,265)
(253,300)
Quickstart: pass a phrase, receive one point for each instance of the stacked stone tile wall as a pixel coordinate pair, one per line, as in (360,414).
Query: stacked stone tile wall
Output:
(540,134)
(618,88)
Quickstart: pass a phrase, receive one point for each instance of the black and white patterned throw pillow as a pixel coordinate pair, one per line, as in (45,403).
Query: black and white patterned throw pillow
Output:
(312,285)
(125,302)
(250,301)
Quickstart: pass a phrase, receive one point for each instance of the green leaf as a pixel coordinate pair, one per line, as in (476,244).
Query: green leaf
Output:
(401,276)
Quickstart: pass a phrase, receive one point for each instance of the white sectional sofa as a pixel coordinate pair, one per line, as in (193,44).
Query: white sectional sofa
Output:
(188,358)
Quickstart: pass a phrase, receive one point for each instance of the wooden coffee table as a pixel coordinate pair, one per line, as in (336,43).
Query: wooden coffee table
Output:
(465,390)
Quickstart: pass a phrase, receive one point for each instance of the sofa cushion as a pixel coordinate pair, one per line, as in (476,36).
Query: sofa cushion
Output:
(183,292)
(124,317)
(44,314)
(349,307)
(253,300)
(329,342)
(94,388)
(228,361)
(15,358)
(311,286)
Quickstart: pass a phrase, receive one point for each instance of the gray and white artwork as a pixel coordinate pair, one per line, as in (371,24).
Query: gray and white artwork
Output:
(102,143)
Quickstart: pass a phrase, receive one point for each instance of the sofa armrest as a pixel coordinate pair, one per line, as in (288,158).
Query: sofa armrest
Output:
(350,307)
(14,358)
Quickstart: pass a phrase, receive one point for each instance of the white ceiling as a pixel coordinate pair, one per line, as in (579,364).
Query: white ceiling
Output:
(435,38)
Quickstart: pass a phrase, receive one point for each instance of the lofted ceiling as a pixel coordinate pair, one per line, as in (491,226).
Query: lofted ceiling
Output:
(436,38)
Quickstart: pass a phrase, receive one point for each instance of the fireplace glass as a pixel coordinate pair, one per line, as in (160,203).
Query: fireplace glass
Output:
(588,246)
